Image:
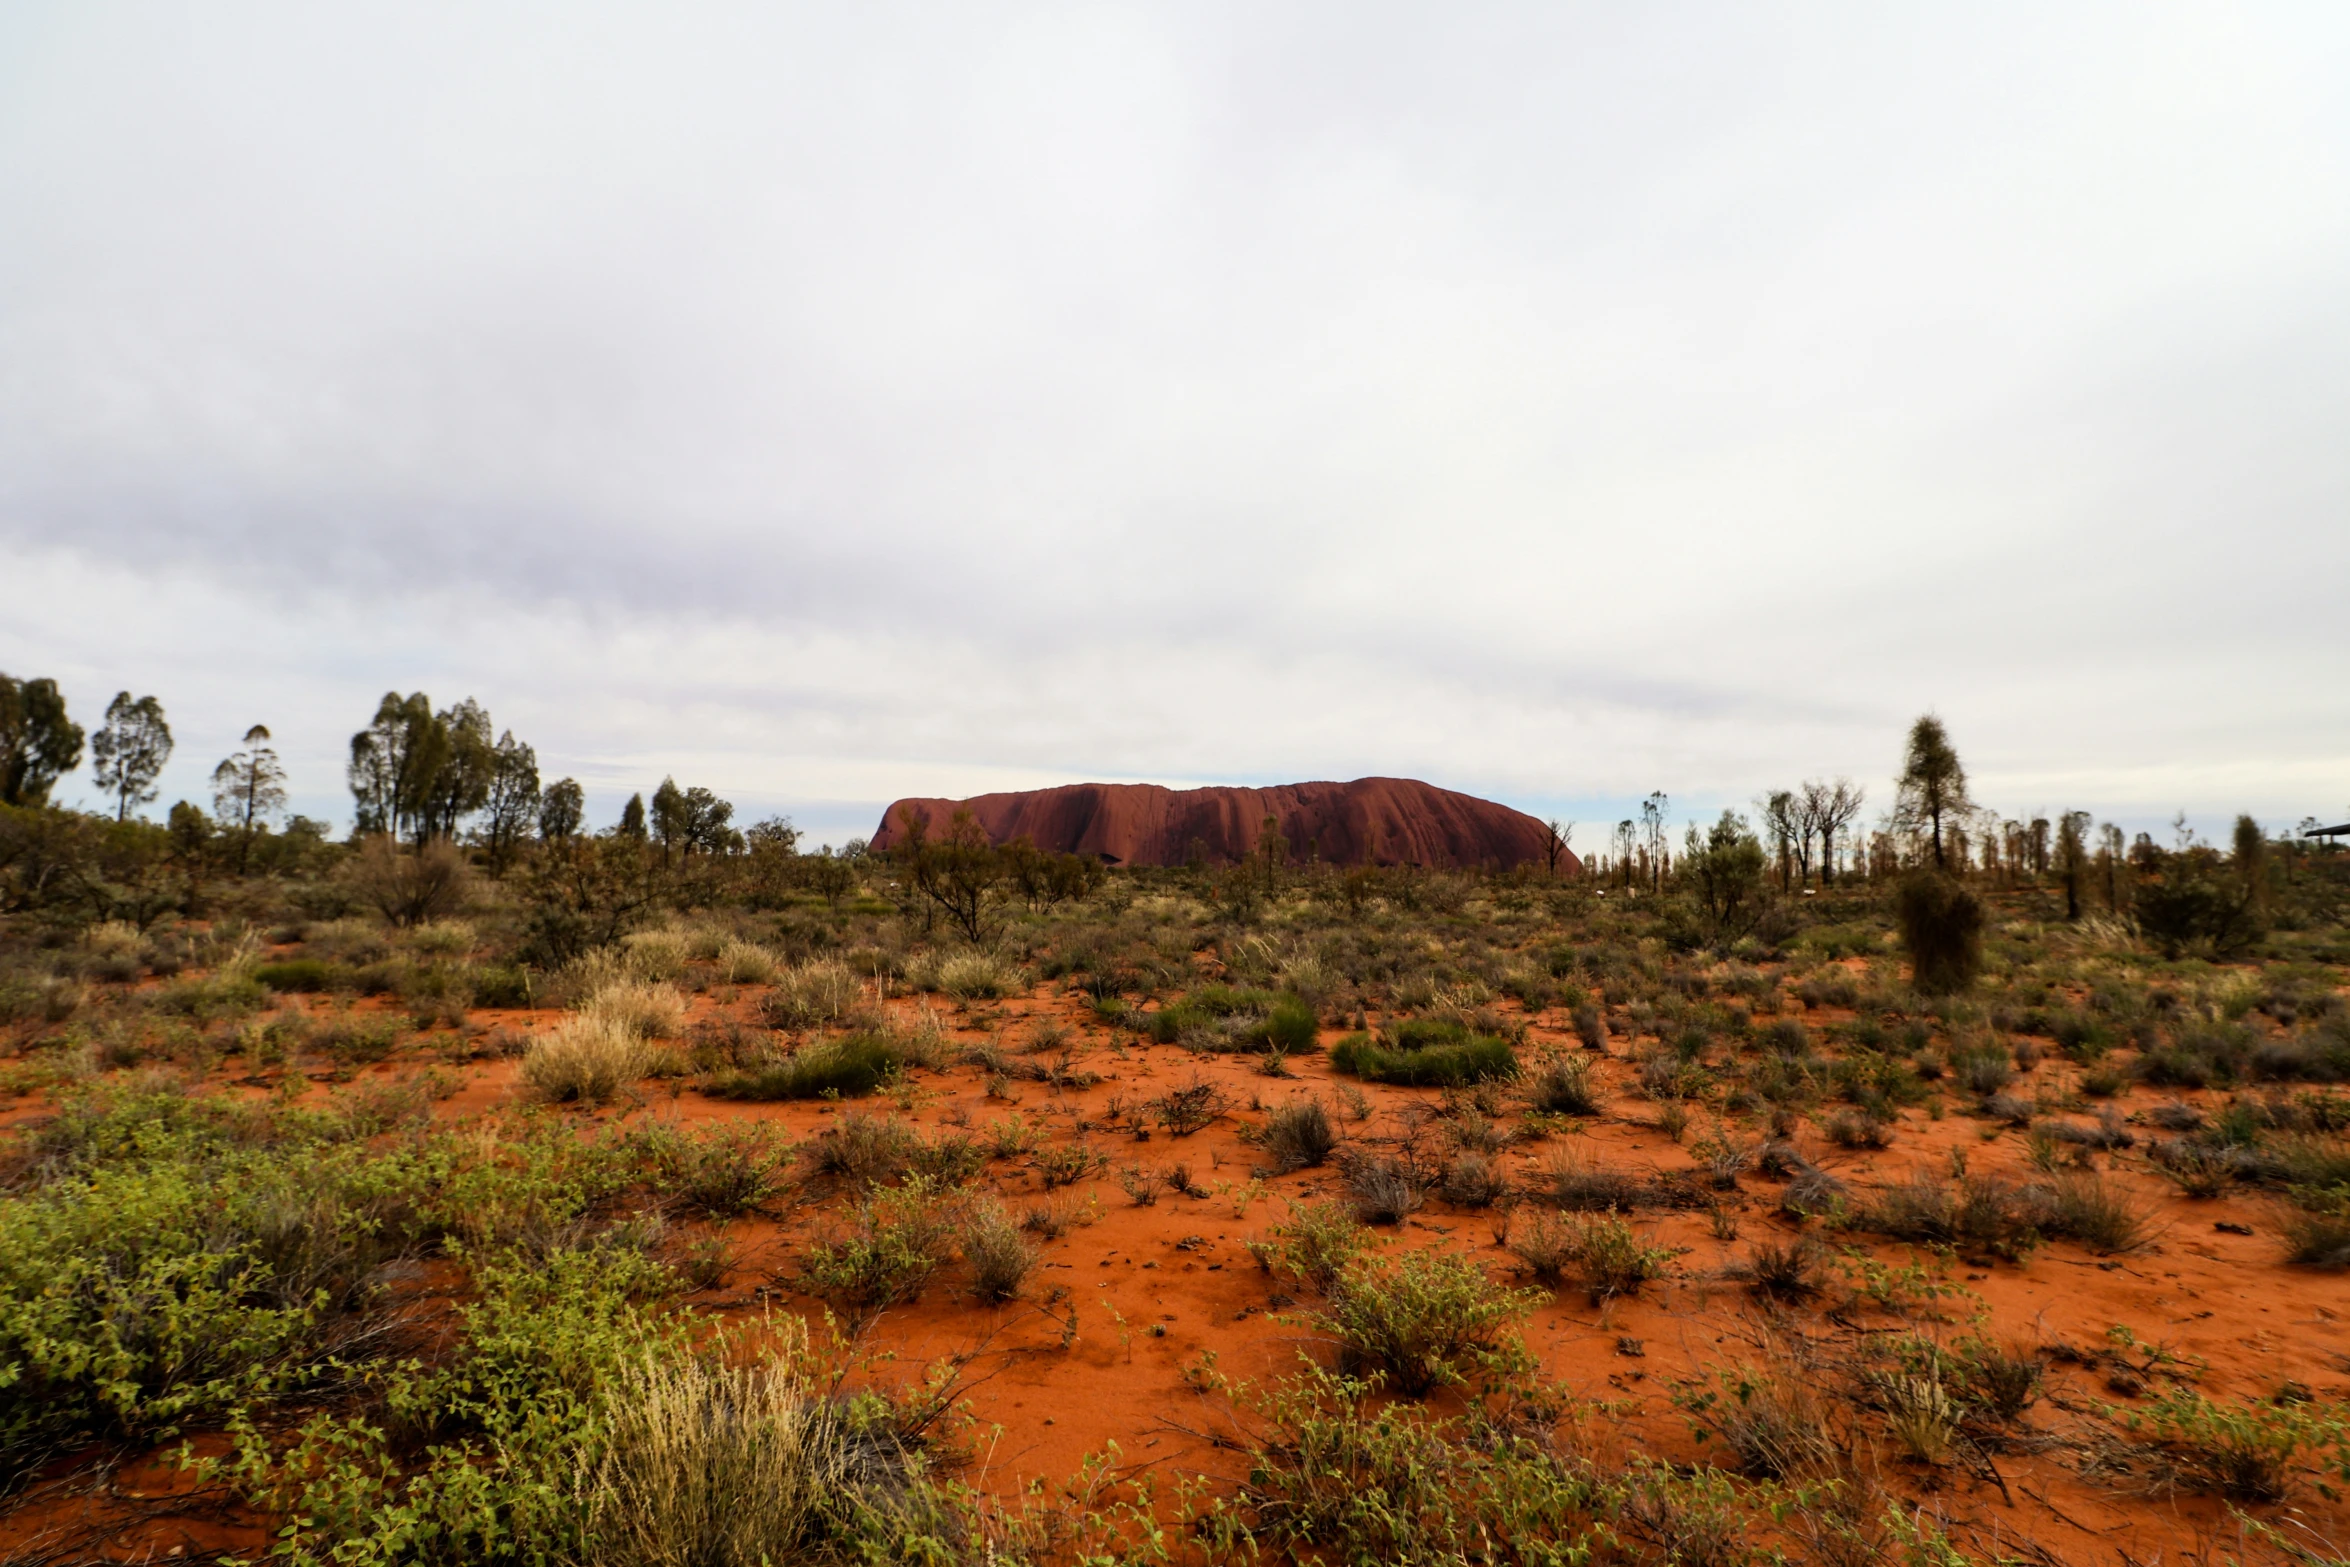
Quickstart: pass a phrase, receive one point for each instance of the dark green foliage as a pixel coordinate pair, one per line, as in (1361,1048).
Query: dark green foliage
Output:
(38,743)
(1461,1059)
(499,985)
(2200,1056)
(1428,1320)
(1217,1017)
(2193,902)
(307,975)
(841,1068)
(1564,1087)
(1942,929)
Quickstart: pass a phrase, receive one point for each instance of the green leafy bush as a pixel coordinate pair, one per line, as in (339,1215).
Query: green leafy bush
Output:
(842,1068)
(308,975)
(1429,1320)
(1219,1018)
(1426,1053)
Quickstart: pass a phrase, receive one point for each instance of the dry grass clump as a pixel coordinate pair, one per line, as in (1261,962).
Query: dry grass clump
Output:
(657,954)
(812,995)
(586,1058)
(706,1463)
(746,963)
(647,1009)
(1299,1136)
(967,976)
(1000,1257)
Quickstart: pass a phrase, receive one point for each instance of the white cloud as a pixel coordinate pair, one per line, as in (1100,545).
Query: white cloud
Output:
(1557,404)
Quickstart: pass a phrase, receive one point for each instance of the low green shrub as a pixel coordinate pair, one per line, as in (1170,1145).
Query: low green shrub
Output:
(306,975)
(841,1069)
(1220,1018)
(1428,1320)
(1419,1054)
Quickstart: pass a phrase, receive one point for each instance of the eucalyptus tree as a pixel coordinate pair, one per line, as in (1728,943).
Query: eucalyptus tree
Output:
(249,788)
(38,743)
(128,751)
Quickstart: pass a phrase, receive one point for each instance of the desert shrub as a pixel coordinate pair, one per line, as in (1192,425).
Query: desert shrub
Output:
(1298,1135)
(811,995)
(1217,1017)
(1580,1186)
(1000,1257)
(1563,1087)
(2316,1238)
(1473,1180)
(1185,1110)
(1857,1129)
(948,1160)
(1982,1072)
(304,975)
(1450,1057)
(1996,1382)
(648,1009)
(355,1039)
(2188,906)
(898,1237)
(1141,1184)
(1975,1215)
(842,1068)
(1344,1474)
(410,886)
(1771,1418)
(1065,1164)
(1314,1247)
(1787,1271)
(656,955)
(975,976)
(2207,1056)
(866,1148)
(500,985)
(2247,1452)
(1384,1191)
(1941,925)
(586,1058)
(1611,1257)
(1428,1320)
(746,963)
(1590,1028)
(2085,1209)
(722,1171)
(704,1463)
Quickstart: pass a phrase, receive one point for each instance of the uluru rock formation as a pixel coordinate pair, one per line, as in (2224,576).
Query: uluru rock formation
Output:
(1379,821)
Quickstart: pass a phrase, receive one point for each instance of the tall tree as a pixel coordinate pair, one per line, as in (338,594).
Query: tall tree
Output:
(632,818)
(1782,817)
(2072,858)
(248,788)
(128,751)
(1652,824)
(1558,840)
(460,786)
(513,801)
(1933,784)
(38,743)
(561,810)
(669,817)
(394,761)
(1830,808)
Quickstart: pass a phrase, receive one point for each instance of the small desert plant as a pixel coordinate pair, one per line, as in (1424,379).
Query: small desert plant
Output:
(1473,1180)
(1976,1215)
(1942,927)
(811,995)
(898,1238)
(1299,1135)
(587,1059)
(1000,1257)
(2247,1452)
(1582,1187)
(1546,1246)
(977,976)
(1857,1129)
(648,1009)
(746,963)
(1612,1258)
(2316,1239)
(1141,1183)
(1183,1111)
(2084,1208)
(1065,1164)
(840,1068)
(1314,1247)
(1786,1271)
(1771,1417)
(724,1171)
(1430,1320)
(1385,1191)
(1427,1053)
(1563,1087)
(866,1148)
(1997,1382)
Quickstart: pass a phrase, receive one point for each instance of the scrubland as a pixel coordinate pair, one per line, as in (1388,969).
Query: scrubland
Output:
(1249,1214)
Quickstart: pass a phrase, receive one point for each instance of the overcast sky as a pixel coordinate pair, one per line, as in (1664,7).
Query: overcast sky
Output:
(1552,402)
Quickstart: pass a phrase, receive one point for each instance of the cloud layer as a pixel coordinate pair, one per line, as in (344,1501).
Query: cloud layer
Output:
(1553,403)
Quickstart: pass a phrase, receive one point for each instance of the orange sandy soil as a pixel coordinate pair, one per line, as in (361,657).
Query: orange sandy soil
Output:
(1044,1398)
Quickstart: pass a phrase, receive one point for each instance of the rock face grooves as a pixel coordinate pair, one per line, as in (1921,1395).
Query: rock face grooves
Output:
(1379,821)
